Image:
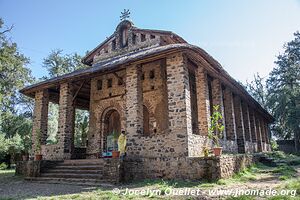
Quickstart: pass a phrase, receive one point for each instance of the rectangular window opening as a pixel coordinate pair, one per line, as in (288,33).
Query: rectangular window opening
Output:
(143,37)
(109,83)
(99,84)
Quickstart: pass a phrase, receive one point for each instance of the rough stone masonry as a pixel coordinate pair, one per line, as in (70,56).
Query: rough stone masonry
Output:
(161,91)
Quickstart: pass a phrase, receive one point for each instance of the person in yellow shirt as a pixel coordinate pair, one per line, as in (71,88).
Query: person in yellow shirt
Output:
(122,144)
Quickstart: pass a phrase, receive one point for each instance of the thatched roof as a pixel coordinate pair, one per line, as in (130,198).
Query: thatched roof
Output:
(128,58)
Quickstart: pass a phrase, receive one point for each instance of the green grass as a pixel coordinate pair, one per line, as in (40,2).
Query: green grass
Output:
(241,198)
(280,156)
(248,174)
(286,172)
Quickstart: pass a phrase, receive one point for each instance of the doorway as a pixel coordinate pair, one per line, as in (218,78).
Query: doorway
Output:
(112,130)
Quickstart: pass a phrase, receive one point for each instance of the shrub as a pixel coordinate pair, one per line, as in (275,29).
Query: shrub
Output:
(3,166)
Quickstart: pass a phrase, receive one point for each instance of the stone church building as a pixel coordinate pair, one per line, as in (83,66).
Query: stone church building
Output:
(161,91)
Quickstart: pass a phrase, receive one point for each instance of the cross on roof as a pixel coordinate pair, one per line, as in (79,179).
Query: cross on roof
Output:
(125,14)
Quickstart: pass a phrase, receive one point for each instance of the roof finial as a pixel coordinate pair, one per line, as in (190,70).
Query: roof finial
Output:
(125,14)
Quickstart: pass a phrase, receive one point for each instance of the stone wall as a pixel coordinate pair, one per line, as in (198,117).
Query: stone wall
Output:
(153,79)
(32,168)
(186,168)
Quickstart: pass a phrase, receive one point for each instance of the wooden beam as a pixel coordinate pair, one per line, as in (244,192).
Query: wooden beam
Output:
(75,95)
(118,77)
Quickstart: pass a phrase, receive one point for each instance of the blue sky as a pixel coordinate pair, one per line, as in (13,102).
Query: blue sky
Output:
(244,36)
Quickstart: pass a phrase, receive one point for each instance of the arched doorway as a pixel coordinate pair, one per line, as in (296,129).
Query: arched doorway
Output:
(112,129)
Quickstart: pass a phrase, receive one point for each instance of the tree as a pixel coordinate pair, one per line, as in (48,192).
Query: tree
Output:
(283,87)
(15,112)
(257,89)
(58,64)
(13,71)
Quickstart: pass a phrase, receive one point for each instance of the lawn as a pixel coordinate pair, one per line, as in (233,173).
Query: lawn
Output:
(258,176)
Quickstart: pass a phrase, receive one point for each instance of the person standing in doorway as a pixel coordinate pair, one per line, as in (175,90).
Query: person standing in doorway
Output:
(122,145)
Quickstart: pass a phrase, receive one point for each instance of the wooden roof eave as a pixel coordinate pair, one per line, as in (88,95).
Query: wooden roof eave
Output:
(163,51)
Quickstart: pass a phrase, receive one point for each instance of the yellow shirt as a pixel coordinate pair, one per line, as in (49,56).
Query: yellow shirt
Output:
(122,143)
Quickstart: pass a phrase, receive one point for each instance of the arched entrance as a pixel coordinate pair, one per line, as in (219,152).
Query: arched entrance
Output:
(112,130)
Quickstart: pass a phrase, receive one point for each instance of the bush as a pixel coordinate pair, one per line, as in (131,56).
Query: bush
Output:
(274,145)
(3,166)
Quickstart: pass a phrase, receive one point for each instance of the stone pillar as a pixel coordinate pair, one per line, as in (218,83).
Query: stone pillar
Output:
(65,134)
(246,119)
(263,134)
(253,128)
(40,119)
(180,124)
(268,134)
(134,108)
(229,115)
(203,101)
(217,99)
(259,134)
(239,124)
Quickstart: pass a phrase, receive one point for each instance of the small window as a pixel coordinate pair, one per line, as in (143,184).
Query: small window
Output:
(152,36)
(109,83)
(133,38)
(143,37)
(113,45)
(152,74)
(99,85)
(143,76)
(120,81)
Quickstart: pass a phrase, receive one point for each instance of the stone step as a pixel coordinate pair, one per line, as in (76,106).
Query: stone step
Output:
(87,161)
(81,167)
(72,181)
(71,175)
(72,171)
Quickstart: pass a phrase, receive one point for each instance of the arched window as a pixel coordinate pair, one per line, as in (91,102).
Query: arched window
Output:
(146,126)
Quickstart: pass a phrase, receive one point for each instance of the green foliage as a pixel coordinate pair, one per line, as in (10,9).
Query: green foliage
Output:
(286,172)
(215,131)
(38,141)
(257,89)
(274,145)
(3,166)
(11,146)
(81,127)
(58,64)
(52,123)
(293,184)
(14,75)
(15,109)
(283,87)
(280,92)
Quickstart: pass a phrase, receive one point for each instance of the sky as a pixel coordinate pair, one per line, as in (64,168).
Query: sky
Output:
(244,36)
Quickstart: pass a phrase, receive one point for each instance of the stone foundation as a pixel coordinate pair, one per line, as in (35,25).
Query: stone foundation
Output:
(174,168)
(33,168)
(186,168)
